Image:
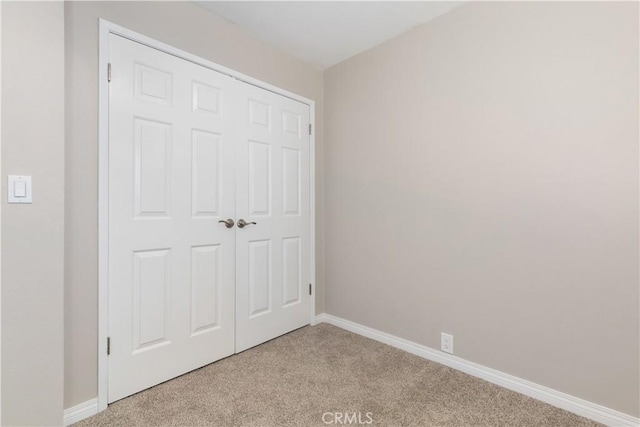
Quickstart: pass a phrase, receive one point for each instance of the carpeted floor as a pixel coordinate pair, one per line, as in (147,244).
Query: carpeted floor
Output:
(296,379)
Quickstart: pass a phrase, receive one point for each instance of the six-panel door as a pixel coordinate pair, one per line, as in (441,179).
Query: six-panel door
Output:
(272,273)
(189,148)
(171,179)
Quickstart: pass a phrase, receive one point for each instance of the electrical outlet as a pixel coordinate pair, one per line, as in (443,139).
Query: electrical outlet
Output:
(446,343)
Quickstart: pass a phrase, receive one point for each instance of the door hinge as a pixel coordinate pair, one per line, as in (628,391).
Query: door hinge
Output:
(109,72)
(108,346)
(309,128)
(309,288)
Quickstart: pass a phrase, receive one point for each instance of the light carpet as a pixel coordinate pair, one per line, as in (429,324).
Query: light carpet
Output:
(316,372)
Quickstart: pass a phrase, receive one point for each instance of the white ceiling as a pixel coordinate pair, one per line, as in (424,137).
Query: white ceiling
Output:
(326,33)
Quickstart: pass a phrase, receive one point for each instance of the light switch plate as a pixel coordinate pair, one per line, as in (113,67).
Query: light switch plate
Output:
(19,189)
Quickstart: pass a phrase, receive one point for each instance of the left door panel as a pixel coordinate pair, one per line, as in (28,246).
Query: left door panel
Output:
(171,180)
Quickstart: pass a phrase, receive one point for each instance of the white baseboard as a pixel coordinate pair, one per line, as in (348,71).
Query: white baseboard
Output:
(80,411)
(556,398)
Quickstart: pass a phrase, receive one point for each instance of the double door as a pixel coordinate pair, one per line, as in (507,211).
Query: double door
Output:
(209,220)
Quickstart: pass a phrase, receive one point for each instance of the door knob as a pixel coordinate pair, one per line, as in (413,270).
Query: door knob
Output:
(242,223)
(228,223)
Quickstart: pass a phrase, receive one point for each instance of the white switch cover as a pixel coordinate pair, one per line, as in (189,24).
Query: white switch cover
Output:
(19,189)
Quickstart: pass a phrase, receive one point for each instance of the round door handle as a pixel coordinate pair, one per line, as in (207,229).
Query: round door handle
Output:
(242,223)
(228,223)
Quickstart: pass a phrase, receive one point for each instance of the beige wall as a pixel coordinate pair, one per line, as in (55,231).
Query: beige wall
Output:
(32,235)
(191,28)
(481,178)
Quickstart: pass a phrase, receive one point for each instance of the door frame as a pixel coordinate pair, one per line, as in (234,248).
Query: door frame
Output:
(107,28)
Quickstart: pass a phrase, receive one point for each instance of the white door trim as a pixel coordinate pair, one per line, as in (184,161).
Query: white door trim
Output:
(107,28)
(1,215)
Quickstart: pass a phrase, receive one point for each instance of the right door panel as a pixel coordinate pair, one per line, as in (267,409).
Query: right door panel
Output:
(272,262)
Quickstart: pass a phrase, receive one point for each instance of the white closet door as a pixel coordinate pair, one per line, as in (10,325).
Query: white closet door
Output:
(272,273)
(171,179)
